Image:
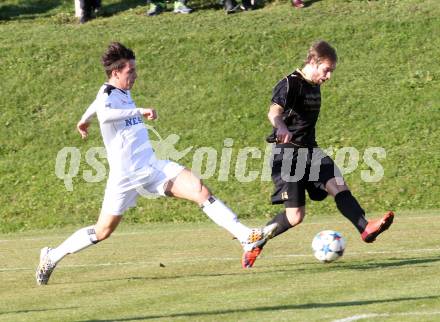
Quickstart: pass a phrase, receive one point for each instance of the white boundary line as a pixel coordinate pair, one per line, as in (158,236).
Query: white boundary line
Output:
(202,259)
(378,315)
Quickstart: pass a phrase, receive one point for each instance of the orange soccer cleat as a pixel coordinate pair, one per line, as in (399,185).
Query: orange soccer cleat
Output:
(376,227)
(248,259)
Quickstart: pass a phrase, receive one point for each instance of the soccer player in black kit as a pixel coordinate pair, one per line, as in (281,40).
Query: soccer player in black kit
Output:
(298,164)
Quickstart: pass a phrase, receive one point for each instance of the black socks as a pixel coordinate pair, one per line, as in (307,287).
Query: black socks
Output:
(347,205)
(283,223)
(350,208)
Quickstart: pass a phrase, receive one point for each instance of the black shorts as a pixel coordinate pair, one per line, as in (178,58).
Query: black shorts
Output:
(295,170)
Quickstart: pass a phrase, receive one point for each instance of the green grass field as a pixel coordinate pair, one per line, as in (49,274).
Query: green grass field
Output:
(210,77)
(393,279)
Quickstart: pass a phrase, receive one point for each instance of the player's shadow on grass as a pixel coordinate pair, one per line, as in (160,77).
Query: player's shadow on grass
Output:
(28,9)
(114,8)
(310,3)
(167,277)
(39,310)
(358,265)
(243,273)
(310,268)
(281,269)
(392,262)
(305,306)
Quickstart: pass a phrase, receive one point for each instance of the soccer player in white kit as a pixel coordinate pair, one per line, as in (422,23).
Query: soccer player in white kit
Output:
(134,170)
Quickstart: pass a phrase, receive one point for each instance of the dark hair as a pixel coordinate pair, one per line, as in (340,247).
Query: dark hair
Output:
(321,50)
(115,57)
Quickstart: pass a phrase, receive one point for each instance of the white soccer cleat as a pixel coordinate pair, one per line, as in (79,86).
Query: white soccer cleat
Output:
(45,267)
(258,237)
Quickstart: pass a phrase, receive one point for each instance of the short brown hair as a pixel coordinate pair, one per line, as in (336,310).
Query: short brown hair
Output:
(321,50)
(115,57)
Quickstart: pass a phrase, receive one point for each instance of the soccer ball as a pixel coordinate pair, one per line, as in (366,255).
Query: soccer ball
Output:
(328,246)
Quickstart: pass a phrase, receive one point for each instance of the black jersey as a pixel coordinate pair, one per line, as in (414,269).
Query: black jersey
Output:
(301,102)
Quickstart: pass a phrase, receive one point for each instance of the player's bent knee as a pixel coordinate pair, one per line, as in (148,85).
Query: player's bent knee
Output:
(335,185)
(295,217)
(297,220)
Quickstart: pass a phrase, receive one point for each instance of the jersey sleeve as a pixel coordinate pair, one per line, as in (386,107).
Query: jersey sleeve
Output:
(110,111)
(279,93)
(89,114)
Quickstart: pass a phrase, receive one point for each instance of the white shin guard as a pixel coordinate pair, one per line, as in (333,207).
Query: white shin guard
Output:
(225,217)
(78,241)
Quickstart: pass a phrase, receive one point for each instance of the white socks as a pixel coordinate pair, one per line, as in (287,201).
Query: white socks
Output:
(224,217)
(79,240)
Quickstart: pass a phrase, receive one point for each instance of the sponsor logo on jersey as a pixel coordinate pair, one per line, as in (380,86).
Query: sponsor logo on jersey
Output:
(133,121)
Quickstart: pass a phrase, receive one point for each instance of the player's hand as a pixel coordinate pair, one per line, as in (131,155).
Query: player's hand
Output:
(149,113)
(83,129)
(283,135)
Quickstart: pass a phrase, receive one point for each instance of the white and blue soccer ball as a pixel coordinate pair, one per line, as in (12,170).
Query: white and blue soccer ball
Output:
(328,246)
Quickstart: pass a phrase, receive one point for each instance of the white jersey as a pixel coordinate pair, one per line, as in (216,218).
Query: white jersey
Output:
(129,151)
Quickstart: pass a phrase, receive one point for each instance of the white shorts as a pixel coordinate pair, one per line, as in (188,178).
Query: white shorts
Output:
(116,202)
